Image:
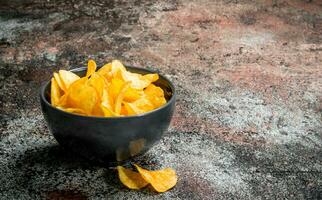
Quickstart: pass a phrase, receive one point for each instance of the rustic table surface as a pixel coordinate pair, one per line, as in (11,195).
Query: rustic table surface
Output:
(249,79)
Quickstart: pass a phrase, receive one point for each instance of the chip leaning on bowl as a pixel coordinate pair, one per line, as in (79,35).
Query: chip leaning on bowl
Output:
(111,91)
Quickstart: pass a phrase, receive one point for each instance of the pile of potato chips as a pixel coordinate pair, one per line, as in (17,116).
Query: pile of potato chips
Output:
(110,91)
(160,180)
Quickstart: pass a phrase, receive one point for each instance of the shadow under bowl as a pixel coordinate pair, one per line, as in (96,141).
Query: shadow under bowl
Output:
(109,140)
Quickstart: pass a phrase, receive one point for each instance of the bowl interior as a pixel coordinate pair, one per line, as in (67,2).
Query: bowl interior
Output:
(162,82)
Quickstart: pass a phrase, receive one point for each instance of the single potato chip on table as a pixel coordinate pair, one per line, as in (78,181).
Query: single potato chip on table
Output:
(131,179)
(160,180)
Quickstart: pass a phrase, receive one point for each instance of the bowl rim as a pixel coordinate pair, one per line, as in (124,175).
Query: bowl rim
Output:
(79,69)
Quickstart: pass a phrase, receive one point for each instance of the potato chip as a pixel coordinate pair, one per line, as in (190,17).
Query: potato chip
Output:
(105,70)
(83,96)
(115,88)
(161,180)
(54,92)
(74,89)
(123,111)
(151,77)
(117,66)
(119,99)
(136,80)
(88,99)
(108,112)
(144,104)
(97,82)
(131,109)
(153,90)
(59,81)
(158,101)
(155,95)
(131,179)
(67,77)
(106,105)
(91,68)
(63,100)
(98,111)
(105,100)
(132,94)
(139,106)
(73,110)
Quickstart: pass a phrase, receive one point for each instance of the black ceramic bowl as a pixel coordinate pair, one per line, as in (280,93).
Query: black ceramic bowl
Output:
(109,140)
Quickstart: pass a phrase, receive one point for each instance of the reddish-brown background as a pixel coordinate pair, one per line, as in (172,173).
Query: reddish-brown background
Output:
(249,81)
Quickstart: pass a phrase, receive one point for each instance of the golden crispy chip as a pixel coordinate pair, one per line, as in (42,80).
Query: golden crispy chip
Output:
(91,67)
(155,94)
(151,77)
(144,104)
(117,66)
(98,111)
(123,111)
(73,110)
(139,106)
(54,92)
(115,88)
(59,82)
(105,100)
(63,100)
(105,70)
(119,99)
(131,179)
(161,180)
(108,112)
(131,109)
(97,82)
(158,101)
(137,81)
(118,75)
(153,90)
(88,99)
(106,105)
(83,96)
(74,89)
(67,77)
(132,94)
